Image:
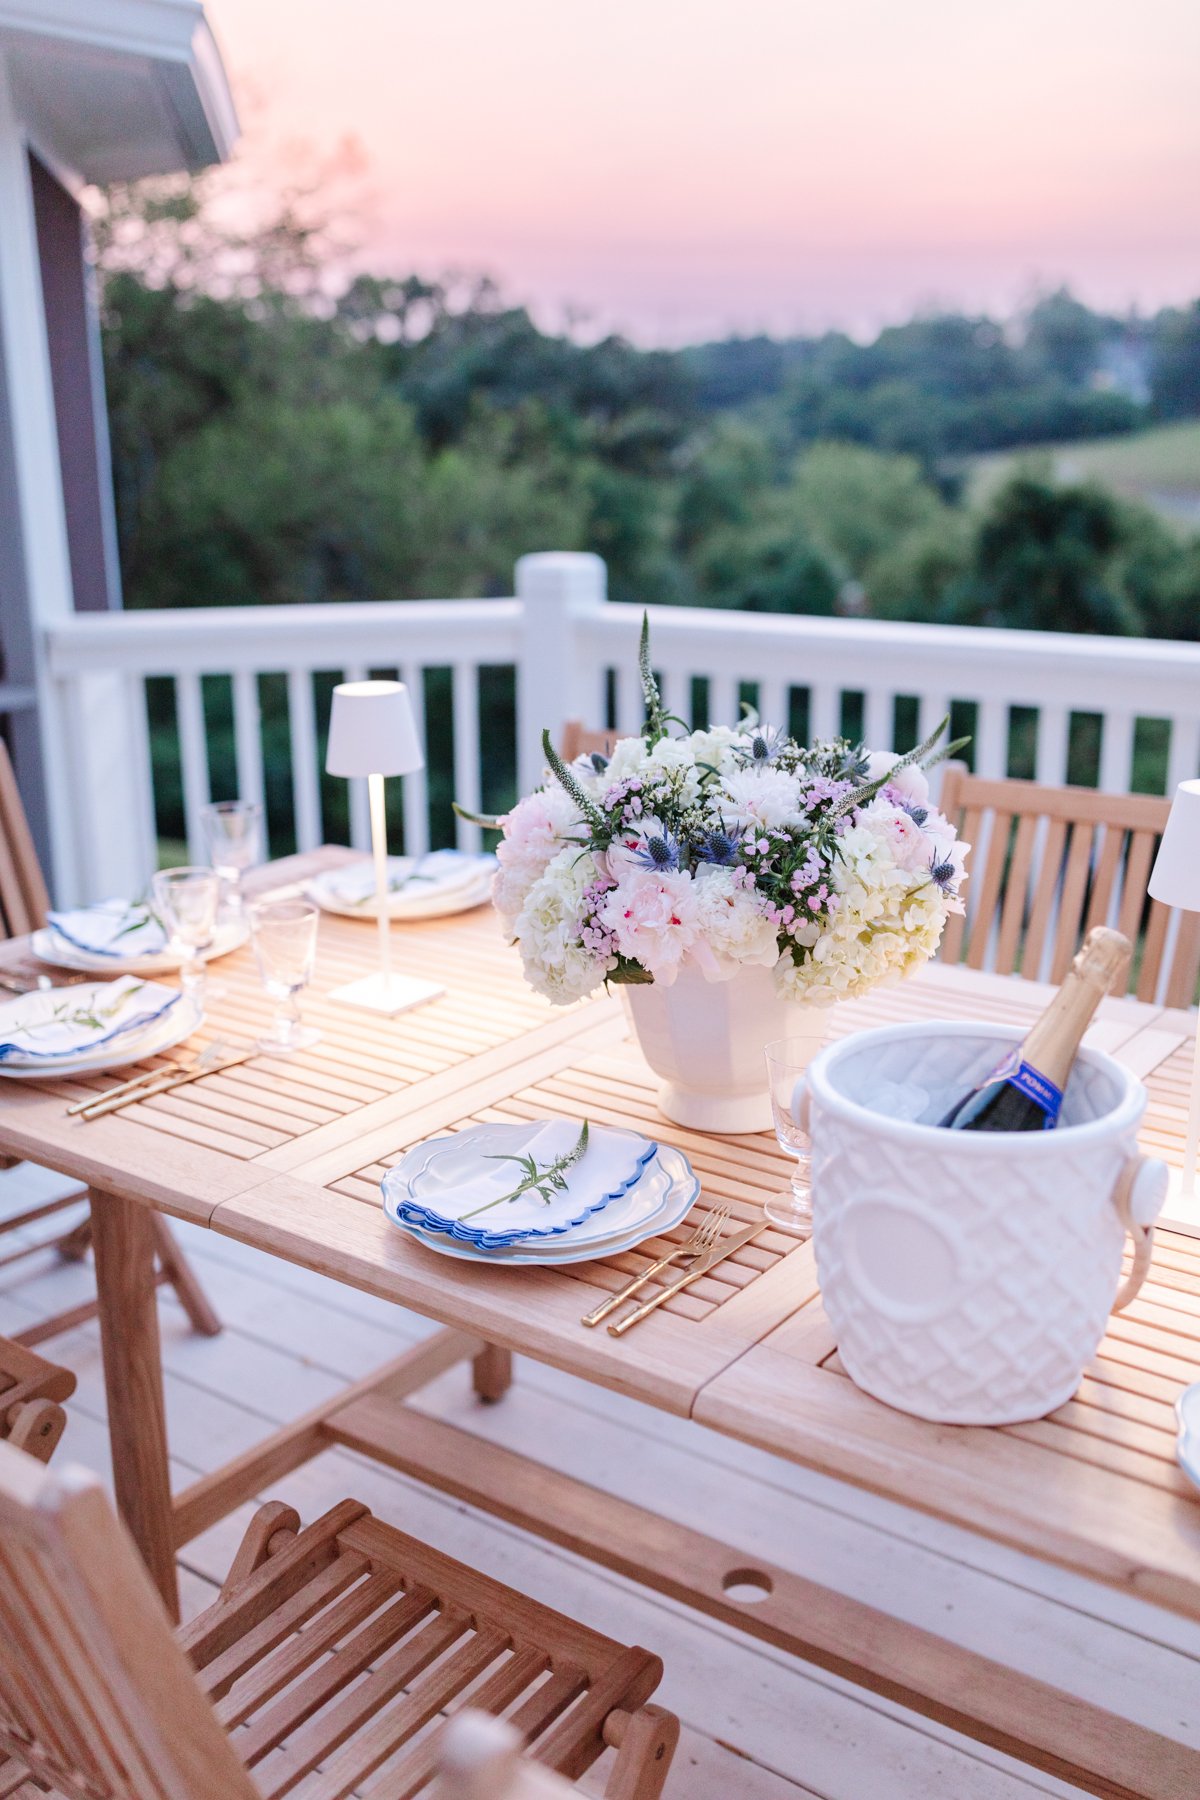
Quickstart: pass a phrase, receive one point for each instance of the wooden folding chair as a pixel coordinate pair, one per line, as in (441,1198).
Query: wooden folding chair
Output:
(24,903)
(324,1668)
(578,740)
(31,1394)
(1047,864)
(481,1760)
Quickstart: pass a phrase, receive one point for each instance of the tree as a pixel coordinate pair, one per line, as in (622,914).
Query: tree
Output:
(1049,559)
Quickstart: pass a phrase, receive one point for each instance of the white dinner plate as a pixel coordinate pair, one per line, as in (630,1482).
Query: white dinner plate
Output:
(179,1023)
(425,1171)
(49,947)
(473,889)
(674,1205)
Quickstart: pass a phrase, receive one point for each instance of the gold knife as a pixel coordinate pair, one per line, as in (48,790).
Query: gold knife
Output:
(200,1063)
(166,1085)
(725,1248)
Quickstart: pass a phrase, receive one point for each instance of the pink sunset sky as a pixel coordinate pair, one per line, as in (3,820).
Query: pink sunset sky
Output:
(684,168)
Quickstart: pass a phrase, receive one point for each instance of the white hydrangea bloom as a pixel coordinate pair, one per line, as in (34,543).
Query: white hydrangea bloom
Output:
(887,923)
(533,834)
(548,930)
(732,924)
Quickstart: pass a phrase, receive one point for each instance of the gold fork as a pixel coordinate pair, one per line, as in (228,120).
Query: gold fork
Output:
(703,1238)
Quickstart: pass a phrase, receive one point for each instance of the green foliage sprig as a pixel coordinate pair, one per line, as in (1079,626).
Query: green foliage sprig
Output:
(566,779)
(861,795)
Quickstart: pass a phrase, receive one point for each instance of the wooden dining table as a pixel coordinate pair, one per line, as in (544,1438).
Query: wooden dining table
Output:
(287,1154)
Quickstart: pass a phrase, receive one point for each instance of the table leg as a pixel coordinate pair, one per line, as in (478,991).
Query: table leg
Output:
(125,1240)
(492,1373)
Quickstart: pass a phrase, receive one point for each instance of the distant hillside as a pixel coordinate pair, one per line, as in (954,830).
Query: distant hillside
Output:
(1160,467)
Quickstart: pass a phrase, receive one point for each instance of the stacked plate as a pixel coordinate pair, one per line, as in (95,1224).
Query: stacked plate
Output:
(419,887)
(90,1027)
(122,937)
(458,1195)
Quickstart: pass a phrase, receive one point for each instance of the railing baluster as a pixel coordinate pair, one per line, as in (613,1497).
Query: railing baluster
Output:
(247,735)
(991,739)
(193,756)
(1184,761)
(723,706)
(879,723)
(306,791)
(1116,753)
(1053,745)
(416,788)
(772,703)
(671,686)
(467,778)
(931,710)
(824,711)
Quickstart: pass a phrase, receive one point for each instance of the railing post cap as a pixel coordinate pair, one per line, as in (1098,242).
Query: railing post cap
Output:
(562,575)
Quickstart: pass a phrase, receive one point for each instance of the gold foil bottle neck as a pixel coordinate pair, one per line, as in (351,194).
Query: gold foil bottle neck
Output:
(1104,958)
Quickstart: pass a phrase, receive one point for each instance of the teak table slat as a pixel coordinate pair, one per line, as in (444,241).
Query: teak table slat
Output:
(286,1154)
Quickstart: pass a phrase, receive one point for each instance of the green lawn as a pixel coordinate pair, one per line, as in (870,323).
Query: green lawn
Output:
(1159,467)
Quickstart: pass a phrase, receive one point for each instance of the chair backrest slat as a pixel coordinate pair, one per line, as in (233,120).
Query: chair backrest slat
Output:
(96,1697)
(24,900)
(1055,863)
(1068,925)
(1015,896)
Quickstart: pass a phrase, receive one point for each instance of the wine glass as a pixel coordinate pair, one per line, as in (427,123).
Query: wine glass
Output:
(284,935)
(187,901)
(234,830)
(787,1059)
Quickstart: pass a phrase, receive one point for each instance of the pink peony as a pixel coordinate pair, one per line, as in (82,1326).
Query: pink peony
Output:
(654,919)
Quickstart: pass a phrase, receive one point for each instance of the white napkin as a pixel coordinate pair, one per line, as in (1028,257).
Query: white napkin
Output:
(409,878)
(612,1163)
(116,928)
(65,1022)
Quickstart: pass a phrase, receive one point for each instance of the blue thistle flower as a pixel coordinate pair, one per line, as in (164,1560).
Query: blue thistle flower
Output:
(719,847)
(764,747)
(658,853)
(943,873)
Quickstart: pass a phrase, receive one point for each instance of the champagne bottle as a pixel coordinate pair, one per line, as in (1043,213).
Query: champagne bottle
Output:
(1024,1093)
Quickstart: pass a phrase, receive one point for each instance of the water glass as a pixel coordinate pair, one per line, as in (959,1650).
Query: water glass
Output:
(284,935)
(234,832)
(187,900)
(787,1059)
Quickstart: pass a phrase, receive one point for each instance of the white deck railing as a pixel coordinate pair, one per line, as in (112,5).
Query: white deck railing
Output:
(571,652)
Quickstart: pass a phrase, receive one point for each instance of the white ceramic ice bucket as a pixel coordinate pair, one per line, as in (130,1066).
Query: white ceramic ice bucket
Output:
(969,1276)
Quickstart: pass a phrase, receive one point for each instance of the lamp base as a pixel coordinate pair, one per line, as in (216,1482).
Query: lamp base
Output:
(386,994)
(1181,1210)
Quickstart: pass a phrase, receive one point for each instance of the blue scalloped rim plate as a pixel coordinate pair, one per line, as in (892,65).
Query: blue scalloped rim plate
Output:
(426,1218)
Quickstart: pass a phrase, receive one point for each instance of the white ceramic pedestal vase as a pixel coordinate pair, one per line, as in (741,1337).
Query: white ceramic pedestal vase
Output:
(969,1276)
(705,1040)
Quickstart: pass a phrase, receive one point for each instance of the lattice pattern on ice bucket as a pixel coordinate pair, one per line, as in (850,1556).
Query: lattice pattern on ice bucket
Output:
(968,1278)
(616,1088)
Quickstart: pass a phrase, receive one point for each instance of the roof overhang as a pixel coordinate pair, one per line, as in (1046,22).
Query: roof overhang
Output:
(117,89)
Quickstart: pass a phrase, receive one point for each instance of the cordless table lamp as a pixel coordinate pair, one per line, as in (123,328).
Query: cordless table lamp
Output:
(372,732)
(1175,880)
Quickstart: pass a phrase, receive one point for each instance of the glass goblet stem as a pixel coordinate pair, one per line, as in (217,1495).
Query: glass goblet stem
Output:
(192,976)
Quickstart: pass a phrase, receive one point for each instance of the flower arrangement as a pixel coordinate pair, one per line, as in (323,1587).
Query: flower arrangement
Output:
(729,847)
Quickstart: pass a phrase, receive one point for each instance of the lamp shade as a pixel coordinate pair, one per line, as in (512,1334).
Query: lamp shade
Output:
(372,730)
(1175,879)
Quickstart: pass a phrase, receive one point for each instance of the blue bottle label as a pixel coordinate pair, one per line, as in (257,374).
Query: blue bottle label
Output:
(1030,1082)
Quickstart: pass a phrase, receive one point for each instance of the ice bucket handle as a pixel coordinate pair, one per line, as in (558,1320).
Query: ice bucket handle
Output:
(1138,1197)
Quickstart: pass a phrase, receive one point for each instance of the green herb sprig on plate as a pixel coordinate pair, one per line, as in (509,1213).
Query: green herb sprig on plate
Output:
(545,1181)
